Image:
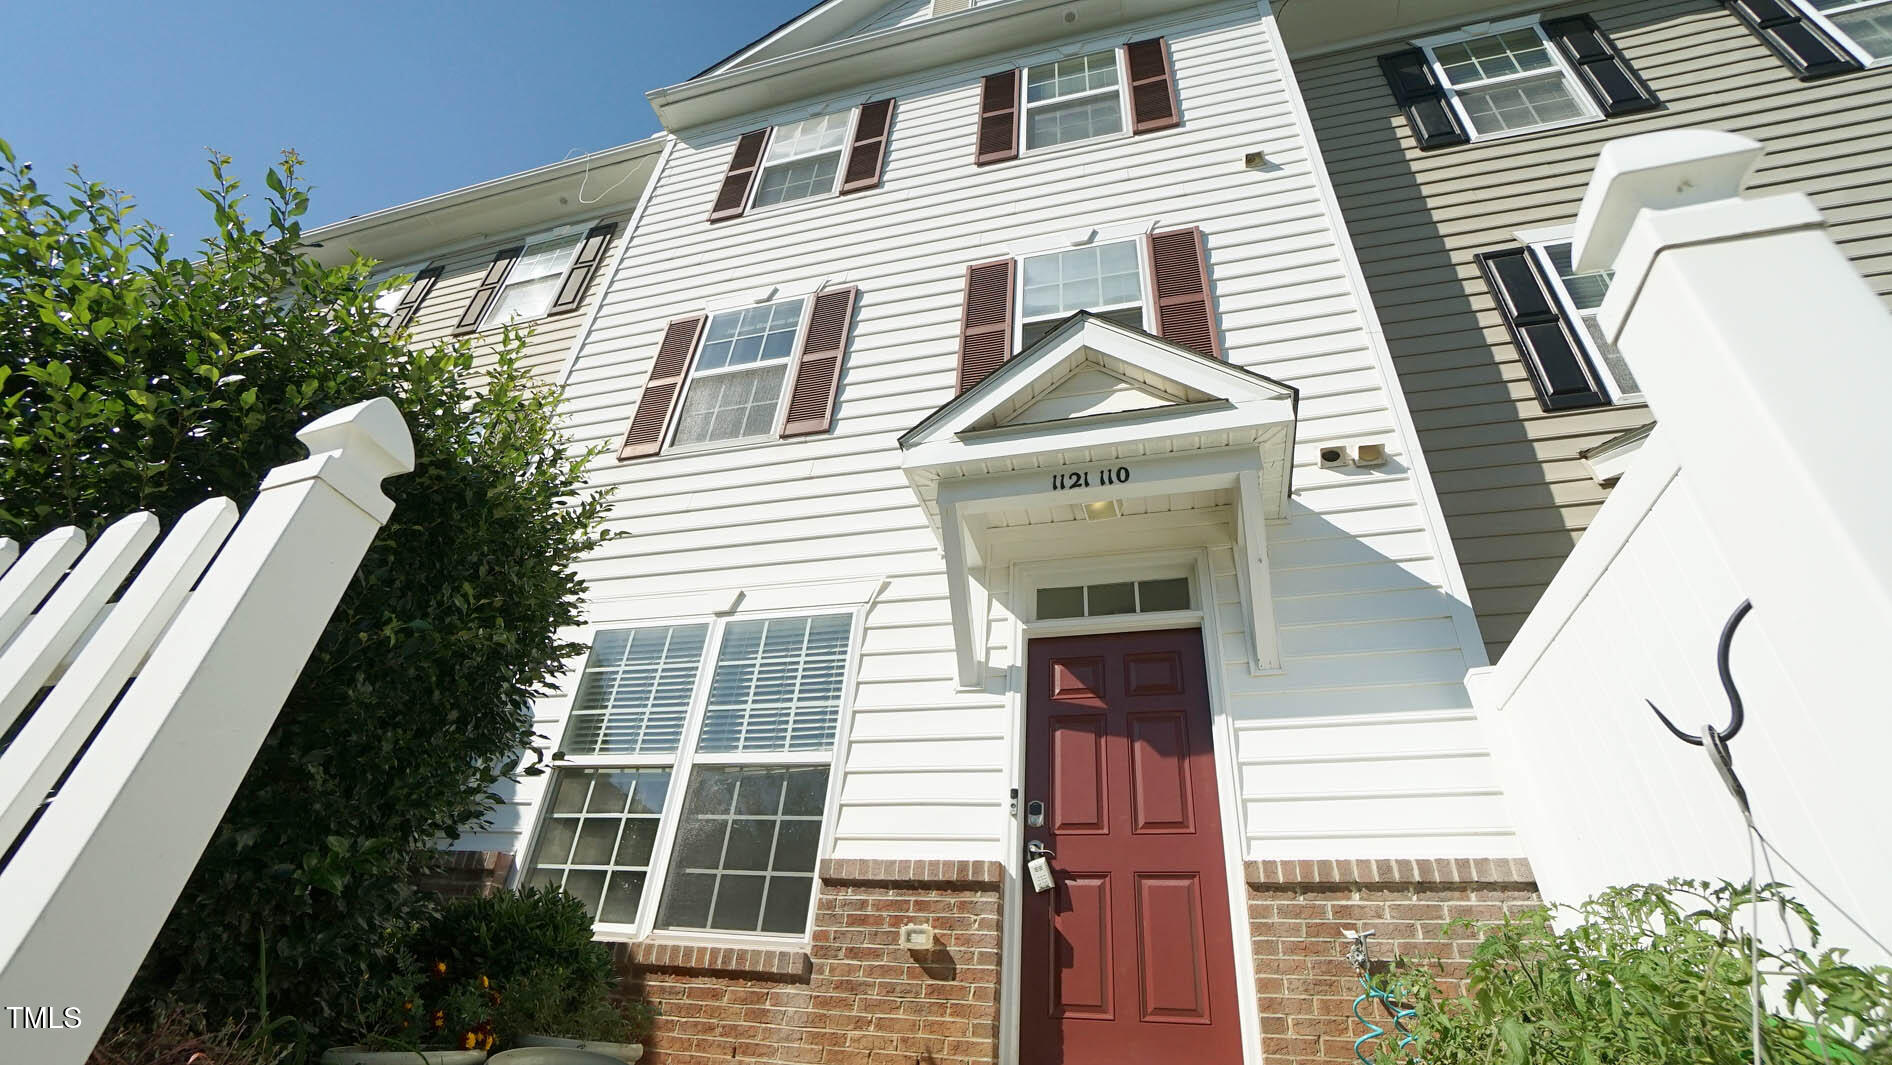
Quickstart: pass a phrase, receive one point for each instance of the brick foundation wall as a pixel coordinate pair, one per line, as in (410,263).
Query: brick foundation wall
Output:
(856,997)
(469,873)
(1297,909)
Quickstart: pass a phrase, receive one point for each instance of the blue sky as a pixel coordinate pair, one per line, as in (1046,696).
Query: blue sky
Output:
(387,102)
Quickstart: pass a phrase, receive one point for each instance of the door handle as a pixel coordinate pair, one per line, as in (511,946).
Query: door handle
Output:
(1035,849)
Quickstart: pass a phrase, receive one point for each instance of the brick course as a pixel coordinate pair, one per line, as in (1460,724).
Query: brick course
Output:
(1296,911)
(856,997)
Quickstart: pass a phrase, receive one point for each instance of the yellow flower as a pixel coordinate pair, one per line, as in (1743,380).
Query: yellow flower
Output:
(484,983)
(440,968)
(467,1042)
(440,1018)
(489,1043)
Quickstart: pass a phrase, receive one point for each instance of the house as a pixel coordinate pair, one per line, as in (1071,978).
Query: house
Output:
(1459,145)
(1011,468)
(528,250)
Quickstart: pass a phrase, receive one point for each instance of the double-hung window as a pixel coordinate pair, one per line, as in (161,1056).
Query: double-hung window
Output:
(694,775)
(1073,99)
(803,160)
(1105,279)
(1581,294)
(1508,79)
(532,283)
(736,384)
(1866,25)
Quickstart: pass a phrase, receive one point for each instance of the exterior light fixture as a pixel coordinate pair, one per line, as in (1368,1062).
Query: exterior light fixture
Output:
(1102,509)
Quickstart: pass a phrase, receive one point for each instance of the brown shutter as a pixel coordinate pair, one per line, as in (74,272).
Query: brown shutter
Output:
(818,374)
(1152,86)
(489,288)
(674,355)
(1418,93)
(1560,372)
(867,156)
(985,329)
(998,118)
(417,291)
(1796,39)
(1185,307)
(571,291)
(733,198)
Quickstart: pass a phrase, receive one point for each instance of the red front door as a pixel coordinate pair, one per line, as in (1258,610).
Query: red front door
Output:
(1128,959)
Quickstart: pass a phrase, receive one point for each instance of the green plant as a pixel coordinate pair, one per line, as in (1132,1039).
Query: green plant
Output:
(536,947)
(135,378)
(1650,974)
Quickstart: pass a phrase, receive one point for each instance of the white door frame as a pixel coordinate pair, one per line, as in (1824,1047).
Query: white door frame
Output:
(1026,575)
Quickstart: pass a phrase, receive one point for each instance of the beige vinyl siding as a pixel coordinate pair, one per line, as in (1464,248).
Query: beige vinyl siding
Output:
(551,338)
(1516,496)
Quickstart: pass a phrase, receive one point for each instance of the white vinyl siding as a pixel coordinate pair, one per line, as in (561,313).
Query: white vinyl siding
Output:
(1106,279)
(533,281)
(803,159)
(1073,100)
(1508,82)
(1865,25)
(735,387)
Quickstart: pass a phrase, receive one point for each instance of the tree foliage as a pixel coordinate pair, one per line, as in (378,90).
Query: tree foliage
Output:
(132,377)
(1650,974)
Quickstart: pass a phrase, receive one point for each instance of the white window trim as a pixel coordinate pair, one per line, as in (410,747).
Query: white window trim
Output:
(1540,252)
(840,169)
(525,248)
(1591,113)
(1145,280)
(410,271)
(1845,40)
(792,364)
(1025,105)
(684,761)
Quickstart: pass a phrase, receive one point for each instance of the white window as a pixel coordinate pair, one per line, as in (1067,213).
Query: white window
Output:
(1508,79)
(1073,100)
(1581,294)
(389,299)
(735,389)
(1105,279)
(734,851)
(533,281)
(803,159)
(1863,25)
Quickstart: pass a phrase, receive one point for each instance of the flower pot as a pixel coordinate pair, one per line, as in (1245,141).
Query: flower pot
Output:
(557,1056)
(364,1056)
(625,1052)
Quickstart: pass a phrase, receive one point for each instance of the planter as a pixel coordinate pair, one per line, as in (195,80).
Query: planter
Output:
(364,1056)
(557,1056)
(625,1052)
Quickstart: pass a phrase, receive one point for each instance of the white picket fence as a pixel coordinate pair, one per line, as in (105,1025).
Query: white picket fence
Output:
(1764,356)
(93,878)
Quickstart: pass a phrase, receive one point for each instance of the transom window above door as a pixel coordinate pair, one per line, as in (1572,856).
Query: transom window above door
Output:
(1508,81)
(1073,100)
(735,387)
(803,159)
(1105,279)
(1113,597)
(693,775)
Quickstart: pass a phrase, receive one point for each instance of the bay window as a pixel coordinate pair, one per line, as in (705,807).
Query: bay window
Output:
(694,774)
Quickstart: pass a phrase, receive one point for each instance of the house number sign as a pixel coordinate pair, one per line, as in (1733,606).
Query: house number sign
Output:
(1103,476)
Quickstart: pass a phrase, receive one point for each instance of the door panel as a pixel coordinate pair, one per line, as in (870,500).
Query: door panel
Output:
(1129,959)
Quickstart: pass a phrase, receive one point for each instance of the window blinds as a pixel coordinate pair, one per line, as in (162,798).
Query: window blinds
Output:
(636,690)
(777,685)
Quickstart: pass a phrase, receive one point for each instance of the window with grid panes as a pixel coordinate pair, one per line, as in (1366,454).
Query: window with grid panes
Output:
(756,757)
(1072,100)
(1105,279)
(735,387)
(1865,24)
(1510,82)
(533,281)
(803,159)
(1582,294)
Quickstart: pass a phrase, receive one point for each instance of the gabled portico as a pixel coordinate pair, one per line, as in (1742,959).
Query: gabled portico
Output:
(1094,419)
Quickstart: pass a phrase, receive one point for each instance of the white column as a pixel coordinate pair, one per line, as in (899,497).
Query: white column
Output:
(93,881)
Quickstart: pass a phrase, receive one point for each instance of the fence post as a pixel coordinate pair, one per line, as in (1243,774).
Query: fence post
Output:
(92,882)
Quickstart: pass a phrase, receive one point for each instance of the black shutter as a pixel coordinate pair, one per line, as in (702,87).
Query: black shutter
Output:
(1419,94)
(1560,371)
(1799,43)
(586,263)
(411,300)
(1601,66)
(490,284)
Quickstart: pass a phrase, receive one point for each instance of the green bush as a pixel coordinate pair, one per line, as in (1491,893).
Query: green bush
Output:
(535,949)
(1651,974)
(135,378)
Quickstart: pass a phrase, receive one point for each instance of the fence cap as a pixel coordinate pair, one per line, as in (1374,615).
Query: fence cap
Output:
(371,434)
(1671,168)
